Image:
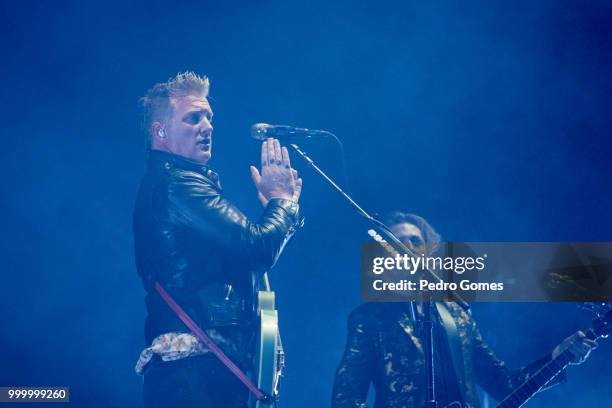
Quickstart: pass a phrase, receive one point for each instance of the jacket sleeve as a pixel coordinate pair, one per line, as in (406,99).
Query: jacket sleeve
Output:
(196,204)
(355,371)
(493,375)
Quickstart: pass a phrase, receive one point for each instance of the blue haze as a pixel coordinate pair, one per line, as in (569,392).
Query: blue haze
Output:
(492,120)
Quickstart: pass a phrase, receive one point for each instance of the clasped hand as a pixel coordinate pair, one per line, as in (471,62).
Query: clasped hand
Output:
(277,179)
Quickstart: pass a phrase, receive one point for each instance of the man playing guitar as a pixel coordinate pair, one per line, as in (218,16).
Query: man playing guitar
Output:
(385,347)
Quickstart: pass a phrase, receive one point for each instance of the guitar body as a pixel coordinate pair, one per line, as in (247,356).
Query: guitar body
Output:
(269,360)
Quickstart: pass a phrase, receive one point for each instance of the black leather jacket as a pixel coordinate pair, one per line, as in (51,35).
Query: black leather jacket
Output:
(385,348)
(201,248)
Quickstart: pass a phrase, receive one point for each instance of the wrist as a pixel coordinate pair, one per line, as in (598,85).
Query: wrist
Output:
(288,205)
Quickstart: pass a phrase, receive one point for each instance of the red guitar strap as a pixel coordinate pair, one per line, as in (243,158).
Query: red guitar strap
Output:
(208,342)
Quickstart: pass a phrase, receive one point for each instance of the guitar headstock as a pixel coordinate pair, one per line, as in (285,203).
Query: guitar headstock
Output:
(383,243)
(599,308)
(602,326)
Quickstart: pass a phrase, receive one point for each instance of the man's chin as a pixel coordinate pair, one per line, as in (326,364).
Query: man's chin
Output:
(201,157)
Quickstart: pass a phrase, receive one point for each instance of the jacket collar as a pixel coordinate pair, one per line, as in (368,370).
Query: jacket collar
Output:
(165,160)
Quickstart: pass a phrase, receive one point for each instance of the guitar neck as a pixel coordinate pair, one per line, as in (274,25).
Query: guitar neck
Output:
(265,282)
(535,383)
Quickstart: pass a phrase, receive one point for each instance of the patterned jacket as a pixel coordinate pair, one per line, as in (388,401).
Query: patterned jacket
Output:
(384,347)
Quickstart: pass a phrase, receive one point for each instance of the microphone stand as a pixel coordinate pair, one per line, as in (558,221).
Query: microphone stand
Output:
(426,304)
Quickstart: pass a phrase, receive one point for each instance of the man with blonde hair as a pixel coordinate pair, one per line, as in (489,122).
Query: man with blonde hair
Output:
(201,249)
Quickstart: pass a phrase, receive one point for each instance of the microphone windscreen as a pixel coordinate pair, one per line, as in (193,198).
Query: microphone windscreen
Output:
(259,131)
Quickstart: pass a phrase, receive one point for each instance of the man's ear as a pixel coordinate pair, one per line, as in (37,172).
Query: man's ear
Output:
(158,134)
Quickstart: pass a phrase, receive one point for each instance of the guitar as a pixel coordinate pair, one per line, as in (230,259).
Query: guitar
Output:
(601,328)
(270,357)
(393,252)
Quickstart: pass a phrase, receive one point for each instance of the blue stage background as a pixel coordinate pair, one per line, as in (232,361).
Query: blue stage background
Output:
(490,120)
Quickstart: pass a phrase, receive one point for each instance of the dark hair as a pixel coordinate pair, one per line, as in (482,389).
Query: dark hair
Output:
(430,236)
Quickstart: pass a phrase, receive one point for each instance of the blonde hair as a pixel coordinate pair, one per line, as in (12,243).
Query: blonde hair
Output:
(157,101)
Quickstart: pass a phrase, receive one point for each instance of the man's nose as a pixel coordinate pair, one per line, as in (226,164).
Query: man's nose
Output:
(206,127)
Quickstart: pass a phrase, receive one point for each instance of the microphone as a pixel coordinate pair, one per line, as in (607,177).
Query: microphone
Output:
(262,131)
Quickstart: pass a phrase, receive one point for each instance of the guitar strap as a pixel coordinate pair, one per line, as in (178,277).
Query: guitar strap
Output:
(454,343)
(208,342)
